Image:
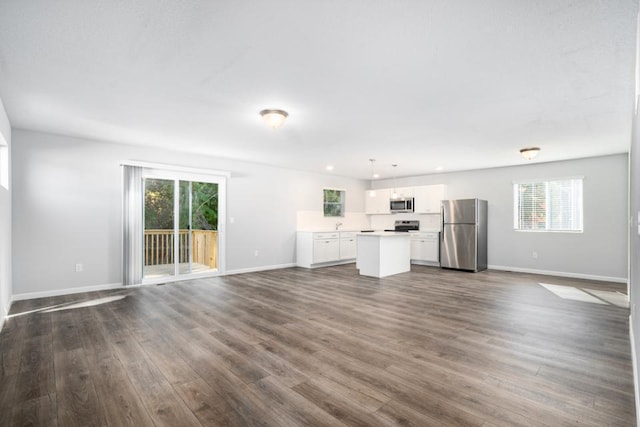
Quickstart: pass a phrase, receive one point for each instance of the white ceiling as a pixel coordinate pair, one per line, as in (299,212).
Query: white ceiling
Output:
(461,84)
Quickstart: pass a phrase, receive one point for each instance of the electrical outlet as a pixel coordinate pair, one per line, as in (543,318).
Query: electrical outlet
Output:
(534,255)
(78,268)
(256,253)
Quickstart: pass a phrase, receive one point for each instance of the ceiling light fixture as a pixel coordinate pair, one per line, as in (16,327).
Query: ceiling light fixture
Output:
(374,175)
(329,167)
(394,195)
(530,153)
(274,118)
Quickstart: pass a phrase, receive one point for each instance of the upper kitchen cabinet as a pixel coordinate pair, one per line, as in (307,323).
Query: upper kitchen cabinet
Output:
(428,198)
(377,201)
(404,192)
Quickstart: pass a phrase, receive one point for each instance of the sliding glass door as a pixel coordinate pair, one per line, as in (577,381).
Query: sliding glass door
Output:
(181,227)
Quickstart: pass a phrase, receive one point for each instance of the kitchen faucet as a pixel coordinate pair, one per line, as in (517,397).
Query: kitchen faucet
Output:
(338,224)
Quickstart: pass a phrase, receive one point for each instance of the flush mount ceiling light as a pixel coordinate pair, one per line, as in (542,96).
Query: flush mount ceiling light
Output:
(530,153)
(274,118)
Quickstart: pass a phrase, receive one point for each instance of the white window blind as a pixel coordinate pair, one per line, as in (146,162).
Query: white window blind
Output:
(548,205)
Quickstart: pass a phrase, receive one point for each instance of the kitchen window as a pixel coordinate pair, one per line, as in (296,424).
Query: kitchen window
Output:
(554,205)
(333,202)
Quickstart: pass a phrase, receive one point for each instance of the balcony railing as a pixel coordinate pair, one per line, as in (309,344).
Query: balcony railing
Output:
(159,245)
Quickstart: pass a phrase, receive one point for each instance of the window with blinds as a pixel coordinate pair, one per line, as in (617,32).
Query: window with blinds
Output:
(548,205)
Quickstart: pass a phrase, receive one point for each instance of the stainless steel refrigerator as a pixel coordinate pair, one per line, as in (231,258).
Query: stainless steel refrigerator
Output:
(463,241)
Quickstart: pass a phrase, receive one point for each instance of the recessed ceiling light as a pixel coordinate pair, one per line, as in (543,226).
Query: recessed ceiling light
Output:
(329,167)
(376,175)
(439,168)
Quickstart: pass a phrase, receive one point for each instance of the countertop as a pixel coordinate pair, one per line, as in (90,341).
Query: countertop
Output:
(426,230)
(385,234)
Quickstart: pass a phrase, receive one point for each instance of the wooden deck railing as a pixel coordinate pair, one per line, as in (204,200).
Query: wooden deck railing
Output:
(158,247)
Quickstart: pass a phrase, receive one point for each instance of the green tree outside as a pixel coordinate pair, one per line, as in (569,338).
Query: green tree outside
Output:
(158,210)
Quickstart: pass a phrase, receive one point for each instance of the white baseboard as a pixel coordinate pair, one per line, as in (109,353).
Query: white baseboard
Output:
(67,291)
(256,269)
(635,368)
(4,312)
(560,274)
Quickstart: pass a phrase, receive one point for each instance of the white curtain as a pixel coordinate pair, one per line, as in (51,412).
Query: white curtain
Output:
(132,225)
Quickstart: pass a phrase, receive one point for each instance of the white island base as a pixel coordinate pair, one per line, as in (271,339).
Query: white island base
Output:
(383,254)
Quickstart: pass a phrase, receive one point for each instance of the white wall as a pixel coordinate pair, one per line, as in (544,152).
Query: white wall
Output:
(5,225)
(67,209)
(634,249)
(634,238)
(600,252)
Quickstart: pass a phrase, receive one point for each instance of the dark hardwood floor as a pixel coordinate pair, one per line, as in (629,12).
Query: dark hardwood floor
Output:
(325,347)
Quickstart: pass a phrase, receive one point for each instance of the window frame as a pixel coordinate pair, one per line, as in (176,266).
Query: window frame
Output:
(342,202)
(546,181)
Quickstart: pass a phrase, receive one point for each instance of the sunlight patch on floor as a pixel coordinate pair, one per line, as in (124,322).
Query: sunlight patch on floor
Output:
(70,305)
(616,298)
(588,295)
(88,303)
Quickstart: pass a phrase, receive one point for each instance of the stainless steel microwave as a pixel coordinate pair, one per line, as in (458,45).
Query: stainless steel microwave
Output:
(401,205)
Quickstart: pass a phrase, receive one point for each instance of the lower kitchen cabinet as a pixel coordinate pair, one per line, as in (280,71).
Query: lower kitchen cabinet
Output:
(315,249)
(348,245)
(425,248)
(325,250)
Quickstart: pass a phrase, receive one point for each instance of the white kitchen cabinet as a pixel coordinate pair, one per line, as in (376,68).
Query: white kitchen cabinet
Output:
(425,248)
(348,245)
(377,201)
(325,250)
(404,192)
(428,198)
(314,249)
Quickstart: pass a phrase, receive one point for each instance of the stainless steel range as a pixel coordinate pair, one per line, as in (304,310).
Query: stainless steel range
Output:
(406,225)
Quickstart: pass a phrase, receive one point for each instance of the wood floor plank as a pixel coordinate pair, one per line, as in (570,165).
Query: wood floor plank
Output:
(210,408)
(290,405)
(40,411)
(327,346)
(163,404)
(336,405)
(7,398)
(76,398)
(36,373)
(118,398)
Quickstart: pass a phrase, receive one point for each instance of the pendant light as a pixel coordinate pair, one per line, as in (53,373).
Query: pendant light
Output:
(394,195)
(374,175)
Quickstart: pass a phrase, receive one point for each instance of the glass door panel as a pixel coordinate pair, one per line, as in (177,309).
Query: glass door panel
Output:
(204,227)
(180,227)
(184,228)
(158,228)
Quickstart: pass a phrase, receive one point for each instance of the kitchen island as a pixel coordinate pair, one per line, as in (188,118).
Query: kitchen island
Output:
(382,254)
